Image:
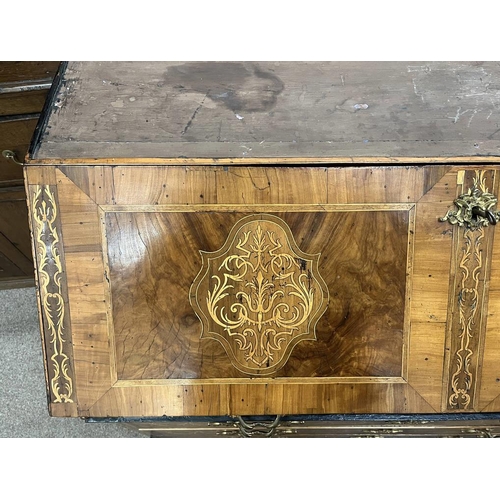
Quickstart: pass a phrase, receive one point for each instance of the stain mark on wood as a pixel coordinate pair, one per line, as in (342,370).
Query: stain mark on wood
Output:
(237,86)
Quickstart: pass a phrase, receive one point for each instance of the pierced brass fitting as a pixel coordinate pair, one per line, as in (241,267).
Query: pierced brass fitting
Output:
(473,210)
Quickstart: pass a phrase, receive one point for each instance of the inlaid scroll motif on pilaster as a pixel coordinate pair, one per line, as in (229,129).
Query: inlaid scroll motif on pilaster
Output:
(467,324)
(259,295)
(51,282)
(470,267)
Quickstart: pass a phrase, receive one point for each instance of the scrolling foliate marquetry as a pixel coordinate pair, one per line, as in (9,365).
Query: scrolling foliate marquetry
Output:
(259,295)
(471,264)
(469,298)
(51,282)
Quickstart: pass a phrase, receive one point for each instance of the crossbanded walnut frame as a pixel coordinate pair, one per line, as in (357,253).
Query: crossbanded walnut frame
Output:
(86,195)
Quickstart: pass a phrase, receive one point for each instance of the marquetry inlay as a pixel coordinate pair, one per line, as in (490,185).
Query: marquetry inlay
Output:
(469,299)
(470,266)
(51,281)
(259,295)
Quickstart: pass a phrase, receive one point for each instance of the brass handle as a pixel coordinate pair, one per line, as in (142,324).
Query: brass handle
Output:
(10,155)
(473,210)
(257,429)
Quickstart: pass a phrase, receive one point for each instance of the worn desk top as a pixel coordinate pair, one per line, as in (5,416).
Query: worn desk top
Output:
(262,112)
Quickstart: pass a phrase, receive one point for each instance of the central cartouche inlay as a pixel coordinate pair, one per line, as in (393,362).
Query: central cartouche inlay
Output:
(259,295)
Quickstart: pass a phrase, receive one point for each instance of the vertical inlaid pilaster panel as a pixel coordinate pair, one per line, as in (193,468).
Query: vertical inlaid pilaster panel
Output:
(468,296)
(53,293)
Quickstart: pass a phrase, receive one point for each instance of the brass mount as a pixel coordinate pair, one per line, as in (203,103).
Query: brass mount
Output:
(474,210)
(10,155)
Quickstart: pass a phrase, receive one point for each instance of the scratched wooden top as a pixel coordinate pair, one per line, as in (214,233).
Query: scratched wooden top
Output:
(251,111)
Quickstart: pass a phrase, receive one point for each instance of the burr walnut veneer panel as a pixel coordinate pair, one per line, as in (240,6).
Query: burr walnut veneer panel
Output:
(155,257)
(266,290)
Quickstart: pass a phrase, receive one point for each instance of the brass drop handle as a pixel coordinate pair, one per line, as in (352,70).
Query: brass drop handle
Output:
(487,214)
(256,429)
(10,155)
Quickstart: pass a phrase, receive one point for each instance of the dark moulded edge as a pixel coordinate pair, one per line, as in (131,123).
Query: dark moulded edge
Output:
(365,417)
(46,111)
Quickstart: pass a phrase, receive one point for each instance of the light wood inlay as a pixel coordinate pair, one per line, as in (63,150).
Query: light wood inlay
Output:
(53,292)
(251,238)
(129,268)
(143,270)
(259,295)
(468,304)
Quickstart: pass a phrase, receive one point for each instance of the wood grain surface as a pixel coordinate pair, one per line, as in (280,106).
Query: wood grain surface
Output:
(53,301)
(22,103)
(430,289)
(132,254)
(13,223)
(254,110)
(154,258)
(14,136)
(468,303)
(156,168)
(23,90)
(25,71)
(244,185)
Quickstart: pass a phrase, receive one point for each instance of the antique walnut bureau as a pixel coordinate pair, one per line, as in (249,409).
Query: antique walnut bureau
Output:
(270,248)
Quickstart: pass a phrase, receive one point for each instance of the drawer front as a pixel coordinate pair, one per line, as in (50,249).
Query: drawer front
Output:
(276,290)
(308,426)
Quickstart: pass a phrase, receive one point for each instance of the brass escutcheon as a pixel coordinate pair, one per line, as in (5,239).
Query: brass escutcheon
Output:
(474,210)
